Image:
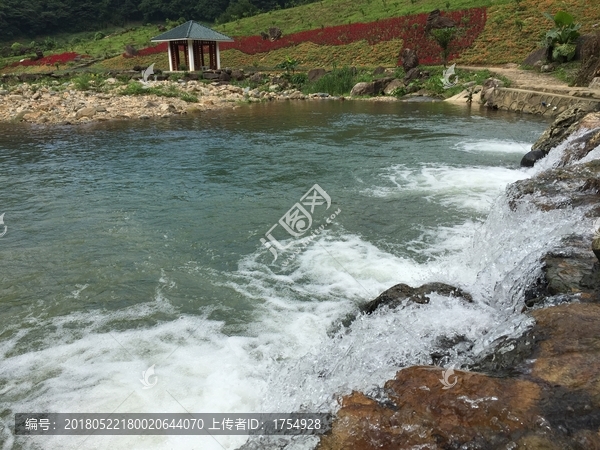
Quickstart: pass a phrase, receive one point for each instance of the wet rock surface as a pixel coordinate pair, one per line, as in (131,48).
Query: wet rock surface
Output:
(552,401)
(539,390)
(401,294)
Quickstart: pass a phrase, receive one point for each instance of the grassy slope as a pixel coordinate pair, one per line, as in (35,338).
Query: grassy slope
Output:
(340,12)
(503,41)
(511,32)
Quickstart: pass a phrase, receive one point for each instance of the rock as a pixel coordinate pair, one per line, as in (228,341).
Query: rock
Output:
(88,111)
(595,84)
(316,74)
(379,70)
(531,158)
(275,34)
(297,96)
(238,75)
(415,74)
(409,59)
(111,80)
(224,76)
(380,85)
(436,20)
(166,107)
(403,293)
(392,86)
(558,188)
(536,57)
(256,78)
(551,402)
(210,75)
(548,68)
(562,127)
(362,88)
(488,88)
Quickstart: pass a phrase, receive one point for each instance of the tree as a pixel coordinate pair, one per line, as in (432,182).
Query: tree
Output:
(443,37)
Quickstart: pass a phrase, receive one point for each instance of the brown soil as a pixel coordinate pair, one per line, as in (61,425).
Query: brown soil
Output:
(532,80)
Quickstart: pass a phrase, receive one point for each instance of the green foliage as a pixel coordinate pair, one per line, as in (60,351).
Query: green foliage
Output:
(443,37)
(561,39)
(337,82)
(289,65)
(16,48)
(188,98)
(137,88)
(82,82)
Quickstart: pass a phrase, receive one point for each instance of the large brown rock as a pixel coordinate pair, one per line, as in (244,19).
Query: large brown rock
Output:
(436,20)
(409,59)
(392,86)
(552,400)
(363,88)
(316,74)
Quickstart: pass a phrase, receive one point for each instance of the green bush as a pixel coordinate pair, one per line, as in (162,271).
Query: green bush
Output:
(82,82)
(561,39)
(337,82)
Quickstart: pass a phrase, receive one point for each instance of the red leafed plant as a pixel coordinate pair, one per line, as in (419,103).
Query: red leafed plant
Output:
(61,58)
(411,29)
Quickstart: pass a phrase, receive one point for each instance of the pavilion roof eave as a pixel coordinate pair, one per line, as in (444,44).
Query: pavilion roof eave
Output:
(193,39)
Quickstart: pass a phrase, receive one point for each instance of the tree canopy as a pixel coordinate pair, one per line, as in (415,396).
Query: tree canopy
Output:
(27,18)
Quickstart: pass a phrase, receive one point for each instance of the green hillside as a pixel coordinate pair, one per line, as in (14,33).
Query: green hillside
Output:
(326,13)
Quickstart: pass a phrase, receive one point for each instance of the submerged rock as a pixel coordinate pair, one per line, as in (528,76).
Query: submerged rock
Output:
(402,293)
(531,158)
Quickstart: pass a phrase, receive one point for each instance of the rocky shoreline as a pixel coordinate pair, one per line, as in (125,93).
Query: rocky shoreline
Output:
(536,391)
(64,104)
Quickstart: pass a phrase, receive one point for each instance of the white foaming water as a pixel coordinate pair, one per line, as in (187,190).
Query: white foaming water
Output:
(494,146)
(463,187)
(290,357)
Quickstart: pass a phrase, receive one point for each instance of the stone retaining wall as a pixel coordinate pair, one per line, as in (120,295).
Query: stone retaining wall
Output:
(541,103)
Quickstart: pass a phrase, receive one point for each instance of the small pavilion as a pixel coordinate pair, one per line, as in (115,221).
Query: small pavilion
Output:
(200,46)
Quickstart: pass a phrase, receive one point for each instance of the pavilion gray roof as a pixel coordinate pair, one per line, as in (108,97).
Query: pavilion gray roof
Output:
(192,30)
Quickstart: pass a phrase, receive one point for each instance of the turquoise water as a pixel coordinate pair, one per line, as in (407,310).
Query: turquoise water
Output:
(130,244)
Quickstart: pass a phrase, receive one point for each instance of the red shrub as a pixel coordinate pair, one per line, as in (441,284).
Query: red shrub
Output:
(160,48)
(61,58)
(411,29)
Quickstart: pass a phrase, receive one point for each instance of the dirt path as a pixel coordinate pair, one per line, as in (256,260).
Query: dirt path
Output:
(531,80)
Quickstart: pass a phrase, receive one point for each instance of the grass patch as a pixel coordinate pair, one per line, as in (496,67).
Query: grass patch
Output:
(137,88)
(327,13)
(337,82)
(567,72)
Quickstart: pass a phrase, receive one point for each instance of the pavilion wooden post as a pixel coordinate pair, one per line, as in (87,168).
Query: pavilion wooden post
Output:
(170,57)
(174,56)
(190,55)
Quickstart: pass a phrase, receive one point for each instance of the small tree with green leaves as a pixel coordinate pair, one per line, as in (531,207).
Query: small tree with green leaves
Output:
(289,65)
(444,37)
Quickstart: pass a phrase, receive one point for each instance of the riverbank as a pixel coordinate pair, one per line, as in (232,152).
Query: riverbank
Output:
(64,104)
